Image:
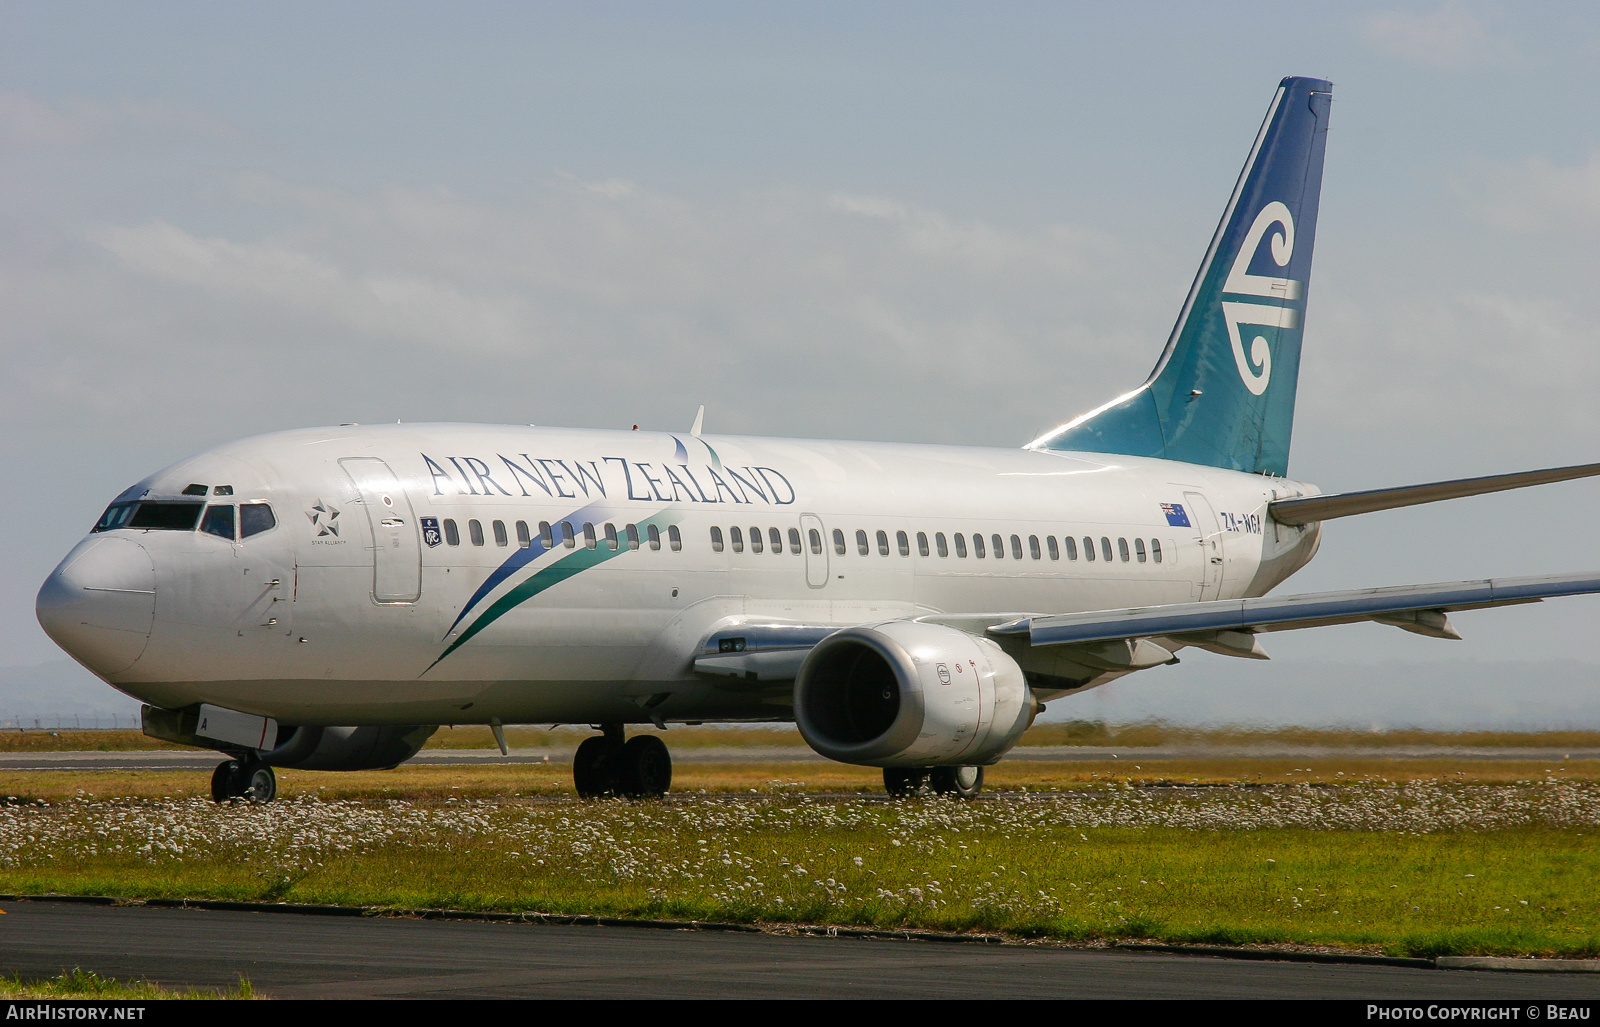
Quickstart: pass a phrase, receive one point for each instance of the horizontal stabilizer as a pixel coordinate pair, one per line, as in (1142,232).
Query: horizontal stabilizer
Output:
(1347,504)
(1408,606)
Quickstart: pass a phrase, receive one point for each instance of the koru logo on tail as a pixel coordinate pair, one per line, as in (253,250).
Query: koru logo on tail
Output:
(1242,283)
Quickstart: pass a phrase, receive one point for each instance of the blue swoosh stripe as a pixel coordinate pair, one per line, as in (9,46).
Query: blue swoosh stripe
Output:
(520,559)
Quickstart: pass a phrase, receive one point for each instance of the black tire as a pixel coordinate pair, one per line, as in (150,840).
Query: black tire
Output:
(257,782)
(250,780)
(904,782)
(646,768)
(594,767)
(957,782)
(222,781)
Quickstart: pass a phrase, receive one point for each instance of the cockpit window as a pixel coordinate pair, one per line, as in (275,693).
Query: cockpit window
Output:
(166,516)
(117,515)
(218,521)
(254,518)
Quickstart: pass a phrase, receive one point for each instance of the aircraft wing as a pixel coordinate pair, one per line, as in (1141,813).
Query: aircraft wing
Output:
(1226,625)
(758,657)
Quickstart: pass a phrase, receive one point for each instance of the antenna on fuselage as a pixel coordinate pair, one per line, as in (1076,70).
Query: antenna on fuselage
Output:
(699,421)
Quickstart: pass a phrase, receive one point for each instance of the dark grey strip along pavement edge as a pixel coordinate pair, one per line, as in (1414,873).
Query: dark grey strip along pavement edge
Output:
(391,957)
(814,930)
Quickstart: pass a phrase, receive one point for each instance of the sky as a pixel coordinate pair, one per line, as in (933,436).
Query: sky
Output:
(931,222)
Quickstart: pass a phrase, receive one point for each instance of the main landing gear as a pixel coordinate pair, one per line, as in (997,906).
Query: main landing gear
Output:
(954,782)
(247,779)
(639,768)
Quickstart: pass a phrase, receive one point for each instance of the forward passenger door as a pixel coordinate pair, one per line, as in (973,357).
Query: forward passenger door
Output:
(396,540)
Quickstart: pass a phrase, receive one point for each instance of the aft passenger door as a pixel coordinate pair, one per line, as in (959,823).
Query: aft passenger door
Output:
(396,541)
(1211,565)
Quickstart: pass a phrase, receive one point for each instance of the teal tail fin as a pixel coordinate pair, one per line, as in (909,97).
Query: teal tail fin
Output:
(1222,393)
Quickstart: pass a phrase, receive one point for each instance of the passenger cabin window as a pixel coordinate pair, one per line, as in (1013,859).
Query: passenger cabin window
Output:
(157,516)
(218,521)
(633,537)
(902,543)
(569,538)
(547,537)
(674,540)
(838,542)
(1105,548)
(961,546)
(588,535)
(999,547)
(1155,549)
(452,534)
(1050,544)
(861,542)
(794,541)
(1138,549)
(1072,546)
(1088,549)
(475,531)
(653,533)
(523,538)
(611,536)
(756,545)
(977,546)
(716,540)
(775,538)
(1016,548)
(500,538)
(1033,547)
(922,543)
(254,518)
(883,543)
(737,538)
(941,544)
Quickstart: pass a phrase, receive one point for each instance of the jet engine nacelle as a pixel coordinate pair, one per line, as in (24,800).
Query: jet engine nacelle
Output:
(909,694)
(370,747)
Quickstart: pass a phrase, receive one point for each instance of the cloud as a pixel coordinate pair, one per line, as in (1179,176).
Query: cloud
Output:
(1536,195)
(1452,35)
(376,304)
(787,309)
(31,121)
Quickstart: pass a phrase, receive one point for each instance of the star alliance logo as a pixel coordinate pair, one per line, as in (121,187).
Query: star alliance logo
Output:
(324,517)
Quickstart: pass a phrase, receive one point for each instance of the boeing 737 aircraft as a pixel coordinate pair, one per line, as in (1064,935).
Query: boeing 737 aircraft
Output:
(325,598)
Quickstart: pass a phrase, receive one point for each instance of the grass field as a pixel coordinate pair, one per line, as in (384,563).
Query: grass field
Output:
(1398,856)
(80,985)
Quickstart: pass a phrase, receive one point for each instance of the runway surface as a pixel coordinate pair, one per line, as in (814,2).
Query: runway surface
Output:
(158,759)
(292,956)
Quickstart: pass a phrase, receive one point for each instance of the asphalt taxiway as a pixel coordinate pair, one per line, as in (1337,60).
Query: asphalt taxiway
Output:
(295,956)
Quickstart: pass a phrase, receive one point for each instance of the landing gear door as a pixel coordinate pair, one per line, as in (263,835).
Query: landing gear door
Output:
(814,540)
(396,542)
(1211,565)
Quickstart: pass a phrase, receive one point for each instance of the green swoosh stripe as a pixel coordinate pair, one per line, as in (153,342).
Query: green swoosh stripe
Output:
(567,567)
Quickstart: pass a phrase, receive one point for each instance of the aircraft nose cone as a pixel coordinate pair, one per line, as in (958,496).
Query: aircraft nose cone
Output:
(100,603)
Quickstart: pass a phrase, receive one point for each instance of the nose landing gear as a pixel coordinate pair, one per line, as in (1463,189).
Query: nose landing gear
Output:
(248,779)
(639,768)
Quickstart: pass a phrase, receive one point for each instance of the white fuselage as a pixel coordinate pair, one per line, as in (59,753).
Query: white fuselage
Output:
(357,608)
